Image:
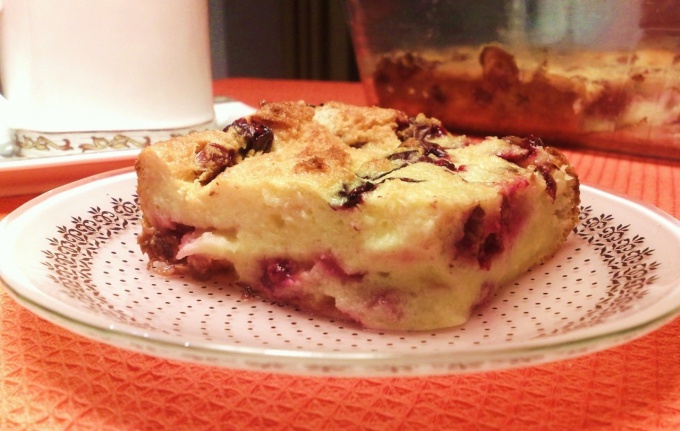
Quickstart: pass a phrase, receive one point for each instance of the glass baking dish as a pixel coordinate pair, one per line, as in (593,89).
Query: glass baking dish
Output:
(601,74)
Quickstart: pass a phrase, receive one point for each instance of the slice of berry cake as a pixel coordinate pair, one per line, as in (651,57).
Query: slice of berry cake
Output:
(362,214)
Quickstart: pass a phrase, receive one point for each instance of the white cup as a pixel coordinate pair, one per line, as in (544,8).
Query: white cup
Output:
(94,75)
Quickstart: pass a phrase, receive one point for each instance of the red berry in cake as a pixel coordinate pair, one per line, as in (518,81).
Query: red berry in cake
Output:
(258,137)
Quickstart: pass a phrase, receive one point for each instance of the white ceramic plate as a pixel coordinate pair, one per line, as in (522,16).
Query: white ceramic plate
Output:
(23,175)
(71,257)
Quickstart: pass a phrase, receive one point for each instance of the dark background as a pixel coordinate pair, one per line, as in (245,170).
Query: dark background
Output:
(288,39)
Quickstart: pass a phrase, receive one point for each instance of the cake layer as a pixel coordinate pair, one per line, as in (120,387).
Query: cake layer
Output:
(362,214)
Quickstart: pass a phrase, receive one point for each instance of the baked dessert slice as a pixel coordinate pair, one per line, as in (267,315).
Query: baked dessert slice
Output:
(363,214)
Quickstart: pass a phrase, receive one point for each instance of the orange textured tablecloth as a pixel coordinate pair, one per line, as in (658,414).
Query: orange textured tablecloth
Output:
(51,379)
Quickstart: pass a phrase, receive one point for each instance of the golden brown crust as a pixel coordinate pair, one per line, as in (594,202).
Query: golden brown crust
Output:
(574,193)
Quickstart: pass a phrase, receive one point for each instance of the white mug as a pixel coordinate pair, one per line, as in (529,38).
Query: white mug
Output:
(92,75)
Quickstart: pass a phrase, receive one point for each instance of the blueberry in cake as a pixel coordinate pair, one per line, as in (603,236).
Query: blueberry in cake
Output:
(358,213)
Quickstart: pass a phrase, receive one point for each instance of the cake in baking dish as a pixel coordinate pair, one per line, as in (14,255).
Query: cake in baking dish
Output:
(612,100)
(357,213)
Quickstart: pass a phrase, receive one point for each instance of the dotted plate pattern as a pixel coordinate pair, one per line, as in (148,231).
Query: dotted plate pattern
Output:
(602,288)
